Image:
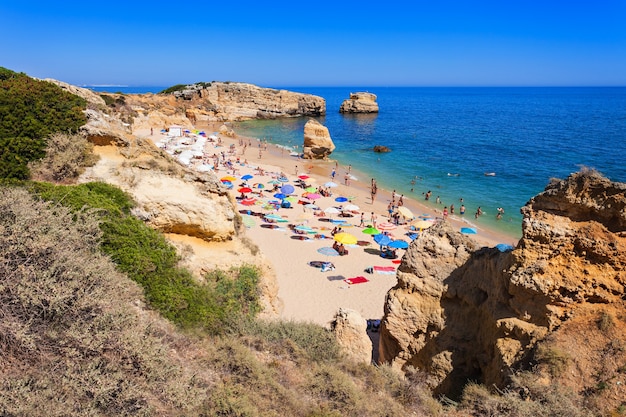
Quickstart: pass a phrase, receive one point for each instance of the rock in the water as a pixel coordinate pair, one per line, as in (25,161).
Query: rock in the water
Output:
(359,103)
(381,149)
(317,141)
(350,329)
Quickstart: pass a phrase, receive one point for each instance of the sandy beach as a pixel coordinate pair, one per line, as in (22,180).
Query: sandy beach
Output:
(308,294)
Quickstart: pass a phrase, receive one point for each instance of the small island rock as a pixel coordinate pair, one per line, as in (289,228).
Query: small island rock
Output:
(381,149)
(359,103)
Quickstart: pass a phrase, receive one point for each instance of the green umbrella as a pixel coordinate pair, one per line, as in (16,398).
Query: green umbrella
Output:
(371,231)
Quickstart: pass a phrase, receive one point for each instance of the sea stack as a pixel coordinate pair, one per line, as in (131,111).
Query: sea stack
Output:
(317,141)
(359,103)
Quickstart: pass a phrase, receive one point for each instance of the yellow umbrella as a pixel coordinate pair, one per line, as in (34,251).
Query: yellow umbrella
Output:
(422,224)
(228,178)
(405,212)
(346,238)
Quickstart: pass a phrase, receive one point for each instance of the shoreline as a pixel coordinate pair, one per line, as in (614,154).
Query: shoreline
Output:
(307,293)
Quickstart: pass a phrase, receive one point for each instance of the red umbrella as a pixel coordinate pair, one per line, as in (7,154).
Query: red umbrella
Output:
(245,190)
(248,201)
(303,177)
(386,226)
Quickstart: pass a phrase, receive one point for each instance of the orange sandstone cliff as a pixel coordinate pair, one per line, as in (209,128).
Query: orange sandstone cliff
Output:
(554,305)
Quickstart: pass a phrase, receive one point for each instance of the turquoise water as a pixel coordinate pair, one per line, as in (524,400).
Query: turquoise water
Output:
(526,136)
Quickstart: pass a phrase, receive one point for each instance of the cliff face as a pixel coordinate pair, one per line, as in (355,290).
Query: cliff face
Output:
(220,102)
(462,313)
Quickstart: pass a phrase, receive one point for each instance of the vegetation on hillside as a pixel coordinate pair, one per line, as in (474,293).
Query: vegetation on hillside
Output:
(30,111)
(181,87)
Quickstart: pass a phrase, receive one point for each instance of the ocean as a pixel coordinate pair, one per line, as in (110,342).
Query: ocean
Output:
(445,140)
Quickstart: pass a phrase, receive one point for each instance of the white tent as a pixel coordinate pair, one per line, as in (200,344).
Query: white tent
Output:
(175,131)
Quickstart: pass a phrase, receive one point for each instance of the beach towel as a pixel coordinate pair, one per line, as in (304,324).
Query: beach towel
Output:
(389,270)
(356,280)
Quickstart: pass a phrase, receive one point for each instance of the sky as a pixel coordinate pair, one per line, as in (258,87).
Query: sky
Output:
(324,43)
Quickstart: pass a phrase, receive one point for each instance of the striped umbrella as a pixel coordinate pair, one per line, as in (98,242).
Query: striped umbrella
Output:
(386,226)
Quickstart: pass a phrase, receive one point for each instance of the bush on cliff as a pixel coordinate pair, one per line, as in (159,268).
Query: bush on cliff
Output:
(30,111)
(67,155)
(148,259)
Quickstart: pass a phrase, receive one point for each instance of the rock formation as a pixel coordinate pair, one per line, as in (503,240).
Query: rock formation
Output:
(350,330)
(459,312)
(220,102)
(359,103)
(381,149)
(317,141)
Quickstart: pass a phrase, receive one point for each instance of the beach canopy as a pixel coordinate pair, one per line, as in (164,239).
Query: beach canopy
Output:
(287,189)
(386,226)
(382,240)
(405,212)
(398,244)
(345,238)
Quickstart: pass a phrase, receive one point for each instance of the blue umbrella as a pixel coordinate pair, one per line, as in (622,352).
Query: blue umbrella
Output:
(382,240)
(287,189)
(247,177)
(468,230)
(341,199)
(283,179)
(399,244)
(504,247)
(328,251)
(280,195)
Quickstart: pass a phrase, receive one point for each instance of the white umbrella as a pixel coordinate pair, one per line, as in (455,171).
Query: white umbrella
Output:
(351,207)
(331,210)
(331,184)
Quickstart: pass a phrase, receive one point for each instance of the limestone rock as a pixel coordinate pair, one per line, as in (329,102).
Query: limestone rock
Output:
(317,141)
(350,329)
(360,103)
(459,312)
(381,149)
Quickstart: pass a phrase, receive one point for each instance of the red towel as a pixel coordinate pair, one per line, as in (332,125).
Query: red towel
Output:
(356,280)
(385,269)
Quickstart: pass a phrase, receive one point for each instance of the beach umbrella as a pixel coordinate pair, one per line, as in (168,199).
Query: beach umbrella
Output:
(227,184)
(228,179)
(341,199)
(351,207)
(310,189)
(313,196)
(398,244)
(325,250)
(425,216)
(331,184)
(245,190)
(287,189)
(345,238)
(283,179)
(311,206)
(247,177)
(274,182)
(280,195)
(371,231)
(303,177)
(304,228)
(290,199)
(248,201)
(259,186)
(276,217)
(422,224)
(504,247)
(405,212)
(382,240)
(468,230)
(331,210)
(386,226)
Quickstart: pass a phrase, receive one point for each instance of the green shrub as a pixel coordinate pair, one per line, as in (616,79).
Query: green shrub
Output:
(30,111)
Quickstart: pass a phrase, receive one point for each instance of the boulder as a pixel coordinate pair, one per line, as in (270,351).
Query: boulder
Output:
(350,330)
(381,149)
(359,103)
(317,141)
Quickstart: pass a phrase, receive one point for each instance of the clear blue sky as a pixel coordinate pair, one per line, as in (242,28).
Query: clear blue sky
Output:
(339,43)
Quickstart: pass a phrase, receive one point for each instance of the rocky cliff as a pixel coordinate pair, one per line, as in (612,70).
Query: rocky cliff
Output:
(460,312)
(217,102)
(360,103)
